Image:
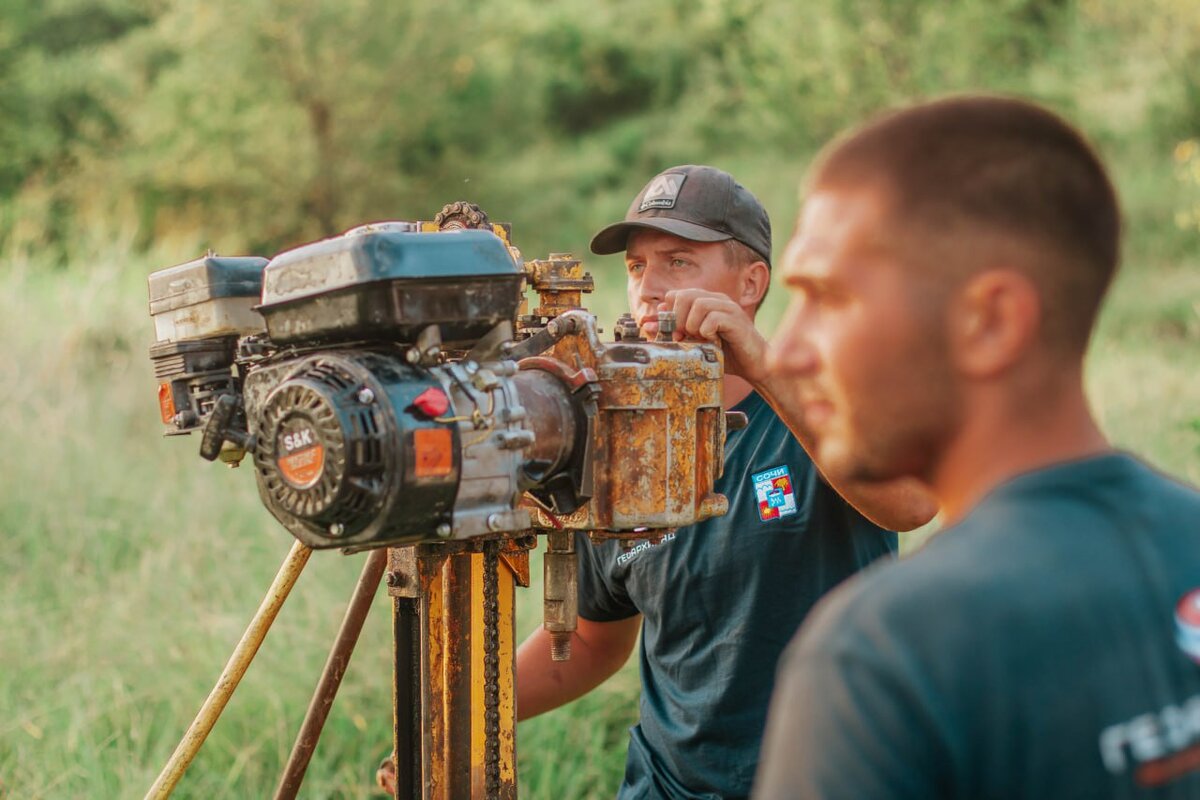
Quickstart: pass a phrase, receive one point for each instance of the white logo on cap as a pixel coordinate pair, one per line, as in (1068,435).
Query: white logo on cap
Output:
(662,191)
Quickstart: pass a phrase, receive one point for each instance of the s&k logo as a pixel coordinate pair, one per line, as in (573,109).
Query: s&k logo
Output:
(775,492)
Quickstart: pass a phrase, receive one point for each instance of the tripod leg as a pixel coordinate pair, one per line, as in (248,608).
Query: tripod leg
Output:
(235,668)
(331,676)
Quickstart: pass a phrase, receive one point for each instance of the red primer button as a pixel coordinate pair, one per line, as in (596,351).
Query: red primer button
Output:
(432,402)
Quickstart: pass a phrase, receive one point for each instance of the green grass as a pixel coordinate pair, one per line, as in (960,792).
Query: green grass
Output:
(129,567)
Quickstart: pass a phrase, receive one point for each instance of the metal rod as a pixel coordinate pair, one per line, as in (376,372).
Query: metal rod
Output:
(235,668)
(331,676)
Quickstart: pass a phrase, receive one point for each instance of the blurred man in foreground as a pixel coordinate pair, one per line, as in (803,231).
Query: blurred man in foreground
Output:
(946,275)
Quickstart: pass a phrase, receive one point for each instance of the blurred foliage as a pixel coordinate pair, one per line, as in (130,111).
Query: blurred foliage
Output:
(259,124)
(135,133)
(1187,159)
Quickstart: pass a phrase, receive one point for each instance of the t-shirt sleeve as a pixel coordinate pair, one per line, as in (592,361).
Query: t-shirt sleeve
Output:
(601,597)
(846,723)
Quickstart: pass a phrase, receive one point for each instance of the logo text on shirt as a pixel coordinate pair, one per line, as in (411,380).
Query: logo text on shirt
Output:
(641,547)
(1162,745)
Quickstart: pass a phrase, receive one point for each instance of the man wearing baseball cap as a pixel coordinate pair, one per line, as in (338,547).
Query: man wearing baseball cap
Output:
(716,602)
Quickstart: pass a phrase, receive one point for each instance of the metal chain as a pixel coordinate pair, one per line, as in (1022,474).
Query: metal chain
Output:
(491,667)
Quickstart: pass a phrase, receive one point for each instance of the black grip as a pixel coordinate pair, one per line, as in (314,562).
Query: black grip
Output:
(215,430)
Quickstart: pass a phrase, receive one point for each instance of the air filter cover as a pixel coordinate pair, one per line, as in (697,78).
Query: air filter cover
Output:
(381,284)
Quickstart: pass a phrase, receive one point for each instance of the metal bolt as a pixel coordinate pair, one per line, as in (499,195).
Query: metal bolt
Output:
(366,396)
(627,329)
(495,522)
(337,529)
(666,325)
(395,580)
(552,328)
(560,645)
(444,530)
(412,355)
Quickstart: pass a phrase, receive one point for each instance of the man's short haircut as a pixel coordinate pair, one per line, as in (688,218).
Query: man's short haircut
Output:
(984,175)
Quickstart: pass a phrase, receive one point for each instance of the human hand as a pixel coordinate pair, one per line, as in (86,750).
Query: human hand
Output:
(715,317)
(385,776)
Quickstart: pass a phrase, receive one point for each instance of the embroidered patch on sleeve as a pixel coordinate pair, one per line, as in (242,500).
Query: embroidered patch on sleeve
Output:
(775,492)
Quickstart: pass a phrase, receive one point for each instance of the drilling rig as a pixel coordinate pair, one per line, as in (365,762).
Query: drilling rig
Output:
(394,391)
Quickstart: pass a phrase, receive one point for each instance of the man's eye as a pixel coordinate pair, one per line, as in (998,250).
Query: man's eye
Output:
(679,263)
(635,268)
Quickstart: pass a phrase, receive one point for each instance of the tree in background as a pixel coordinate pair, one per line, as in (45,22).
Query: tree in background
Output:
(258,124)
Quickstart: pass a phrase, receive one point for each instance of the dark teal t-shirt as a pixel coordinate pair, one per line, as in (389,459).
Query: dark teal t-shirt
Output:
(720,600)
(1048,646)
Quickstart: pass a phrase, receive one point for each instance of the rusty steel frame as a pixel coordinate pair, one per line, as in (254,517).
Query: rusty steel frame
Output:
(658,439)
(454,687)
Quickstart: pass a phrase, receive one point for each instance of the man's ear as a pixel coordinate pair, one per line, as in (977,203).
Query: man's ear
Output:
(755,280)
(993,321)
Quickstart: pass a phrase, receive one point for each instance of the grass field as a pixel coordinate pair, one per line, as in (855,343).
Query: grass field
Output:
(129,567)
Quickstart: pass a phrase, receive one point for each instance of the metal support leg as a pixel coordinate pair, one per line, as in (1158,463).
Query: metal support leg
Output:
(235,668)
(456,725)
(331,676)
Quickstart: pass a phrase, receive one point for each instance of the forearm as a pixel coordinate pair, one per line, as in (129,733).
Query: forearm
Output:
(899,505)
(596,654)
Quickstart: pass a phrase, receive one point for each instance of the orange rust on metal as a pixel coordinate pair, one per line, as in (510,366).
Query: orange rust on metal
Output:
(658,439)
(515,555)
(447,580)
(560,283)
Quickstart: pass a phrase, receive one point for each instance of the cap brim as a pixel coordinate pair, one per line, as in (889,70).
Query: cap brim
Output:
(613,239)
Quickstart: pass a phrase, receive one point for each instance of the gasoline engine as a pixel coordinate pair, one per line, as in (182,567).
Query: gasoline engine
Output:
(393,389)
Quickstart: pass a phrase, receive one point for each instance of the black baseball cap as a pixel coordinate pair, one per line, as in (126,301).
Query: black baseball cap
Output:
(702,204)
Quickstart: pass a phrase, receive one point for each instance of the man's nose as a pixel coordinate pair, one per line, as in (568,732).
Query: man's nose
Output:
(653,288)
(791,351)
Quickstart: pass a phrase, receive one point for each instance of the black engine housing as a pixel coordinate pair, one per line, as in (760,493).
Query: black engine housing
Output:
(338,443)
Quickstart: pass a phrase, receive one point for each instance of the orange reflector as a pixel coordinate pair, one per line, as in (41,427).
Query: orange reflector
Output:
(166,403)
(434,451)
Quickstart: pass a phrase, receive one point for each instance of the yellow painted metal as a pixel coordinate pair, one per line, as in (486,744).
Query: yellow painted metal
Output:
(478,688)
(508,693)
(236,667)
(453,679)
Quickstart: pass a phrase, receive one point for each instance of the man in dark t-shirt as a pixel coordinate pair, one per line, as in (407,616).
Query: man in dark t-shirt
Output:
(716,602)
(947,271)
(719,601)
